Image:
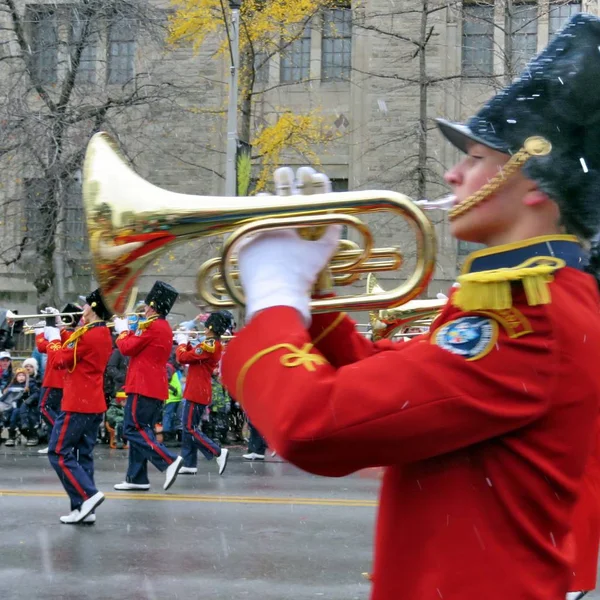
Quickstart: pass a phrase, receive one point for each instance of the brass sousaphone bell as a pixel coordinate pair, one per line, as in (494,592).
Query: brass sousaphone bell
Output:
(389,321)
(131,222)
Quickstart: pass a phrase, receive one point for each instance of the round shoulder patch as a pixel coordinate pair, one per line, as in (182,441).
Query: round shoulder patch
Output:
(470,337)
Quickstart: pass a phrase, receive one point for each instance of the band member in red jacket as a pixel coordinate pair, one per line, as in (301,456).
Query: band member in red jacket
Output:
(149,349)
(52,384)
(83,358)
(485,424)
(202,361)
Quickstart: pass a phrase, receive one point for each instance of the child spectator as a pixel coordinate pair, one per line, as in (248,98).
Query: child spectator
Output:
(13,396)
(29,413)
(114,416)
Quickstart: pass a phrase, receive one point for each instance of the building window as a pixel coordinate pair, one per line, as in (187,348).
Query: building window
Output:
(337,44)
(295,59)
(261,67)
(86,71)
(75,226)
(465,248)
(560,15)
(523,32)
(340,185)
(478,40)
(44,46)
(121,50)
(40,212)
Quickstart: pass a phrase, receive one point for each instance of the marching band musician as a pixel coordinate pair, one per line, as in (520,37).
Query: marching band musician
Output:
(83,358)
(146,386)
(202,361)
(52,384)
(485,423)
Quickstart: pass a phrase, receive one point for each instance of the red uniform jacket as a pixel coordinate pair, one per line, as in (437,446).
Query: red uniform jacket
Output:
(83,363)
(585,539)
(202,361)
(53,376)
(484,424)
(149,350)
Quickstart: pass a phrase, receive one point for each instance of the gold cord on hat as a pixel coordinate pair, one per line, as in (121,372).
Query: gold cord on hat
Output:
(533,146)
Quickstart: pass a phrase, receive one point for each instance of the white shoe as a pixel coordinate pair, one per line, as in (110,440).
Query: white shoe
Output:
(90,505)
(222,460)
(43,450)
(188,471)
(253,456)
(125,486)
(172,472)
(72,518)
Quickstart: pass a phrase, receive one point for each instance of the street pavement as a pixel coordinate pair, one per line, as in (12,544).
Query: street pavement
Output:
(262,531)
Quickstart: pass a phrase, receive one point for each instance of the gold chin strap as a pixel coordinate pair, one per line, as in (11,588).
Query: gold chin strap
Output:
(533,146)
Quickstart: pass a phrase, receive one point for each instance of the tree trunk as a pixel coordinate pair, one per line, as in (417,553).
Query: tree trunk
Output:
(246,85)
(423,85)
(508,52)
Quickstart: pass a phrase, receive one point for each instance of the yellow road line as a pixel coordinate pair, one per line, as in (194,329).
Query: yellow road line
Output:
(203,498)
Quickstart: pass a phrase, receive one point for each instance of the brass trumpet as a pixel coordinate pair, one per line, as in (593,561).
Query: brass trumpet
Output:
(416,313)
(131,221)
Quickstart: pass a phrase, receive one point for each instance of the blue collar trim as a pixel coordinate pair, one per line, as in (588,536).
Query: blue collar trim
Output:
(508,256)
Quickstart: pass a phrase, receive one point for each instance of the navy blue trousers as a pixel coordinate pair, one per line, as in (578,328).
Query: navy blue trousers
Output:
(70,453)
(192,438)
(256,443)
(50,404)
(141,414)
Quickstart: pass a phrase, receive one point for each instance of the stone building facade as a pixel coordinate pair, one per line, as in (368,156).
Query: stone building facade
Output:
(379,72)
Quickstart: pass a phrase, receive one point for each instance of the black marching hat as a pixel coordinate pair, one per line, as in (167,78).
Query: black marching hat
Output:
(96,303)
(161,297)
(552,110)
(219,322)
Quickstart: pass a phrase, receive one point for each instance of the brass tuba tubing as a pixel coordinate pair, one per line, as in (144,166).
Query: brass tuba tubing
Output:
(130,222)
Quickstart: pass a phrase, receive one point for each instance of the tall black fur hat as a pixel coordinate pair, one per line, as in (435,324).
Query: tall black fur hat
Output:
(73,309)
(219,322)
(96,303)
(556,98)
(161,297)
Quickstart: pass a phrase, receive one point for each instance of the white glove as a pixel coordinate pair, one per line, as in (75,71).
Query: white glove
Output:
(52,334)
(441,296)
(279,268)
(181,339)
(121,325)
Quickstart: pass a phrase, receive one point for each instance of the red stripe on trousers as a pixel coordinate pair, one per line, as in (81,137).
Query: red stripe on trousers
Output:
(43,407)
(61,460)
(145,435)
(196,435)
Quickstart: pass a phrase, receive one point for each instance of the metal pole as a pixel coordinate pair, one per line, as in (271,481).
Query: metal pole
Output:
(232,132)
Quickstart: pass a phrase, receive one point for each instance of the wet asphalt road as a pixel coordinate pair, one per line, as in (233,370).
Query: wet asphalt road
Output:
(262,531)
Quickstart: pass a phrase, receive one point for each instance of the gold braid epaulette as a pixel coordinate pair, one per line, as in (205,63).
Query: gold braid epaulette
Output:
(491,290)
(145,324)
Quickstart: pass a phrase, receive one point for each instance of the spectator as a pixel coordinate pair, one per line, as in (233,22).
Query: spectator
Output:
(29,413)
(172,406)
(6,371)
